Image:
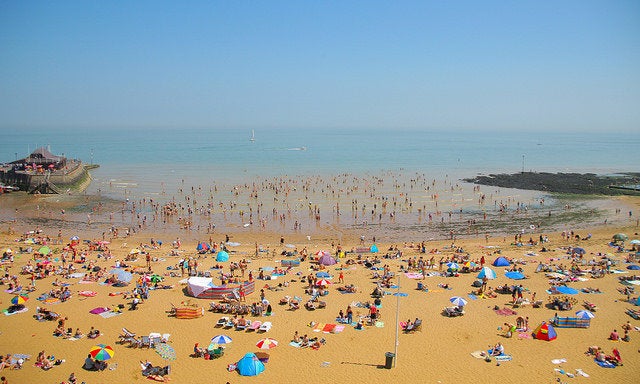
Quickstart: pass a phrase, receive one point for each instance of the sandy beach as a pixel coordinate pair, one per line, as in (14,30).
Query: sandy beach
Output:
(440,352)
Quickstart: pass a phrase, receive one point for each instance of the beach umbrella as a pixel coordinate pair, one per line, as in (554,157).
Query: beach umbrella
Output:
(101,352)
(222,256)
(322,253)
(221,339)
(323,274)
(74,238)
(122,275)
(44,250)
(578,251)
(267,343)
(453,265)
(470,264)
(458,301)
(488,273)
(514,275)
(20,299)
(634,242)
(8,250)
(323,282)
(584,314)
(250,365)
(634,267)
(620,237)
(165,351)
(155,278)
(134,251)
(327,260)
(373,249)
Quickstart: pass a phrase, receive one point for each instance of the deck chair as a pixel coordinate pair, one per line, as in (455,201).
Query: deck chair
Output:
(155,341)
(145,342)
(265,327)
(416,326)
(453,311)
(125,336)
(255,326)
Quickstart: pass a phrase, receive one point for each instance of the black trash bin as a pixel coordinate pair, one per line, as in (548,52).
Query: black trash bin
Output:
(389,356)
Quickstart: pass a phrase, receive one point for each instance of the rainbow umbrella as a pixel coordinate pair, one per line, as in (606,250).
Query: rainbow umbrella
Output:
(101,352)
(267,343)
(20,299)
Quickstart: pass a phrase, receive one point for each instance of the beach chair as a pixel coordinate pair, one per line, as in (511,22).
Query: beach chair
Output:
(453,311)
(254,326)
(243,326)
(633,313)
(154,341)
(416,326)
(265,327)
(222,321)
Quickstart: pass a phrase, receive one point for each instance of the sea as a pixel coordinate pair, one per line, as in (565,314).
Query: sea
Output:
(160,163)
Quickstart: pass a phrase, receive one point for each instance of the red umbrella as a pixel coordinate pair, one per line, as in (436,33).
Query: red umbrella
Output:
(267,343)
(323,282)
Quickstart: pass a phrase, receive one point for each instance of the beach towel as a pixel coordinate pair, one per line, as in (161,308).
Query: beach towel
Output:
(559,361)
(412,275)
(328,328)
(51,300)
(503,358)
(478,354)
(505,311)
(7,313)
(294,344)
(524,335)
(604,364)
(379,324)
(98,310)
(109,314)
(87,293)
(472,296)
(338,329)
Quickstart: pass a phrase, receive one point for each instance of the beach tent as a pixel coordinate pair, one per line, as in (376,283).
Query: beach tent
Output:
(222,256)
(326,260)
(634,267)
(545,331)
(487,272)
(501,262)
(202,247)
(374,249)
(250,365)
(578,251)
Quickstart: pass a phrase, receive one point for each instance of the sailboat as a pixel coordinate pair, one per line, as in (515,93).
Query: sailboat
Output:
(253,135)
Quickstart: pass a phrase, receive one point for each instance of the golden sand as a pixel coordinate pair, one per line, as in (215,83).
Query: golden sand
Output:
(439,353)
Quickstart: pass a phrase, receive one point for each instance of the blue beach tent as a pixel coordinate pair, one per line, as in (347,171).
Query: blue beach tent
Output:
(250,365)
(501,262)
(222,256)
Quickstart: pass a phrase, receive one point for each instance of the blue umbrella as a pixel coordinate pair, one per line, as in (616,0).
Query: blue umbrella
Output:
(221,339)
(634,267)
(584,314)
(458,301)
(250,365)
(488,273)
(579,251)
(374,248)
(453,266)
(323,274)
(514,275)
(567,290)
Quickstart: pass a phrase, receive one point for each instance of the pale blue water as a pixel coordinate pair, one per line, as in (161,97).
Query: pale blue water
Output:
(141,159)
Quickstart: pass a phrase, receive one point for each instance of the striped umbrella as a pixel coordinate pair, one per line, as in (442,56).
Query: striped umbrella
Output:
(101,352)
(453,266)
(458,301)
(323,282)
(584,314)
(221,339)
(267,343)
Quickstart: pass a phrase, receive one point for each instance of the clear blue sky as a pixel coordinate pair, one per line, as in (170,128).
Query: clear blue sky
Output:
(517,65)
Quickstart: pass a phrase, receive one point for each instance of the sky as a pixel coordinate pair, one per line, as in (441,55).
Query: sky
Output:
(510,65)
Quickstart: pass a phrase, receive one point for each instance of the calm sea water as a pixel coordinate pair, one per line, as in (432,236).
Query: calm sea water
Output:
(144,158)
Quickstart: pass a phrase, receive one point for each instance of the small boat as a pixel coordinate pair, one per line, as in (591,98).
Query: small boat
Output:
(253,135)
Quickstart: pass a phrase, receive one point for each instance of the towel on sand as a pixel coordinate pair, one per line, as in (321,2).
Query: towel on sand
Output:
(505,311)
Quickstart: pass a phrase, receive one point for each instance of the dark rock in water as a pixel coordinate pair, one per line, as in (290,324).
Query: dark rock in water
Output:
(576,183)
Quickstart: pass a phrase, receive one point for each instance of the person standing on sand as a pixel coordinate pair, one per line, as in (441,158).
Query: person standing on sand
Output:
(341,278)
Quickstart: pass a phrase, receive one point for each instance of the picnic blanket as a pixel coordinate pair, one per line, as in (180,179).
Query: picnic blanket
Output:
(505,311)
(604,364)
(109,314)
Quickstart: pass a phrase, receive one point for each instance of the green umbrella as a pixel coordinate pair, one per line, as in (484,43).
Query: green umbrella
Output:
(156,278)
(620,237)
(44,250)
